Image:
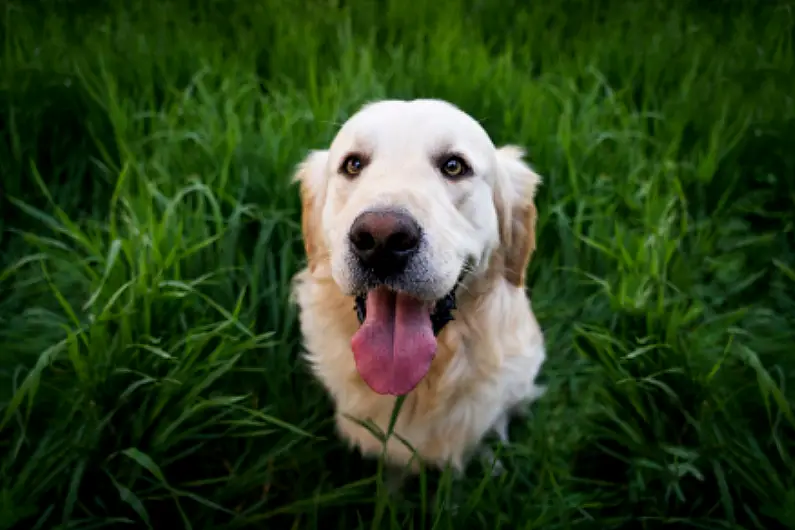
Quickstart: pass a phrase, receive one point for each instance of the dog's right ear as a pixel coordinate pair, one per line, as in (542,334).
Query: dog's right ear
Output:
(310,174)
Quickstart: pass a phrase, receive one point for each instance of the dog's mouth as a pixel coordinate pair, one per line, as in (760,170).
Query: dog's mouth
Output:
(396,342)
(441,311)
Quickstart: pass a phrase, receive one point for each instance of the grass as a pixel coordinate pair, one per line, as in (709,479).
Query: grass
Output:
(149,356)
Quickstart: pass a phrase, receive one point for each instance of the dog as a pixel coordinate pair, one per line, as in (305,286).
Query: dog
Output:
(418,232)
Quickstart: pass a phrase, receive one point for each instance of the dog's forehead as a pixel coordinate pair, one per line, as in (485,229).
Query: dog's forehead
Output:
(399,126)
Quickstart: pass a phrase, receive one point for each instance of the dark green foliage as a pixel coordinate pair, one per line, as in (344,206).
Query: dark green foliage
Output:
(149,357)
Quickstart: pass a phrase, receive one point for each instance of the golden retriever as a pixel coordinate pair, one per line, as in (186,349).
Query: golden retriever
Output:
(418,231)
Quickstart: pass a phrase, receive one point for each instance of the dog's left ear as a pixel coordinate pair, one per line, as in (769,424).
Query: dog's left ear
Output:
(311,178)
(514,197)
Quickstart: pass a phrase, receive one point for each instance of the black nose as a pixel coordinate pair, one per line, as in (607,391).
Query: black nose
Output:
(384,240)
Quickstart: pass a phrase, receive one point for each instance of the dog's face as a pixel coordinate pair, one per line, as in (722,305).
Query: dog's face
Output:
(409,199)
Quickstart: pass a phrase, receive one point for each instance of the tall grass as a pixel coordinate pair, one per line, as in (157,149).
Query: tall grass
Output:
(149,356)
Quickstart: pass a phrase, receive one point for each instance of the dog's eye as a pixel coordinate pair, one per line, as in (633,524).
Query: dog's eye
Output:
(454,167)
(352,166)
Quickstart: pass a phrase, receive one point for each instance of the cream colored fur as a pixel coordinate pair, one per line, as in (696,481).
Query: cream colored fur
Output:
(489,356)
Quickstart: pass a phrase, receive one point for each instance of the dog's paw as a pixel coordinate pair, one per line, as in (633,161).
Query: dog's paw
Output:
(497,468)
(500,428)
(523,408)
(538,392)
(491,462)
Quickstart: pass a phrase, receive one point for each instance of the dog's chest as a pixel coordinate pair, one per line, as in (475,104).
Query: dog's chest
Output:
(441,429)
(444,418)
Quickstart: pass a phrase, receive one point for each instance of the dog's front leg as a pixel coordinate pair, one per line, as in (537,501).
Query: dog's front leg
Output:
(487,456)
(522,409)
(491,461)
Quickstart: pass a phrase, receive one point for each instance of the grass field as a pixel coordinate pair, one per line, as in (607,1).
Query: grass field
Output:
(150,371)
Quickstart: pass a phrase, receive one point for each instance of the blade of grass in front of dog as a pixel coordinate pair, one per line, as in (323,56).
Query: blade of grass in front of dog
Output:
(382,499)
(373,429)
(443,497)
(395,412)
(423,496)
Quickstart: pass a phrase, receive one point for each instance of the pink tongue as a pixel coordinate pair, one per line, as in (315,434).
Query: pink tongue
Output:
(395,345)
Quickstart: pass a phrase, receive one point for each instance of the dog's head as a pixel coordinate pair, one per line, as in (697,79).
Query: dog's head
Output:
(410,198)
